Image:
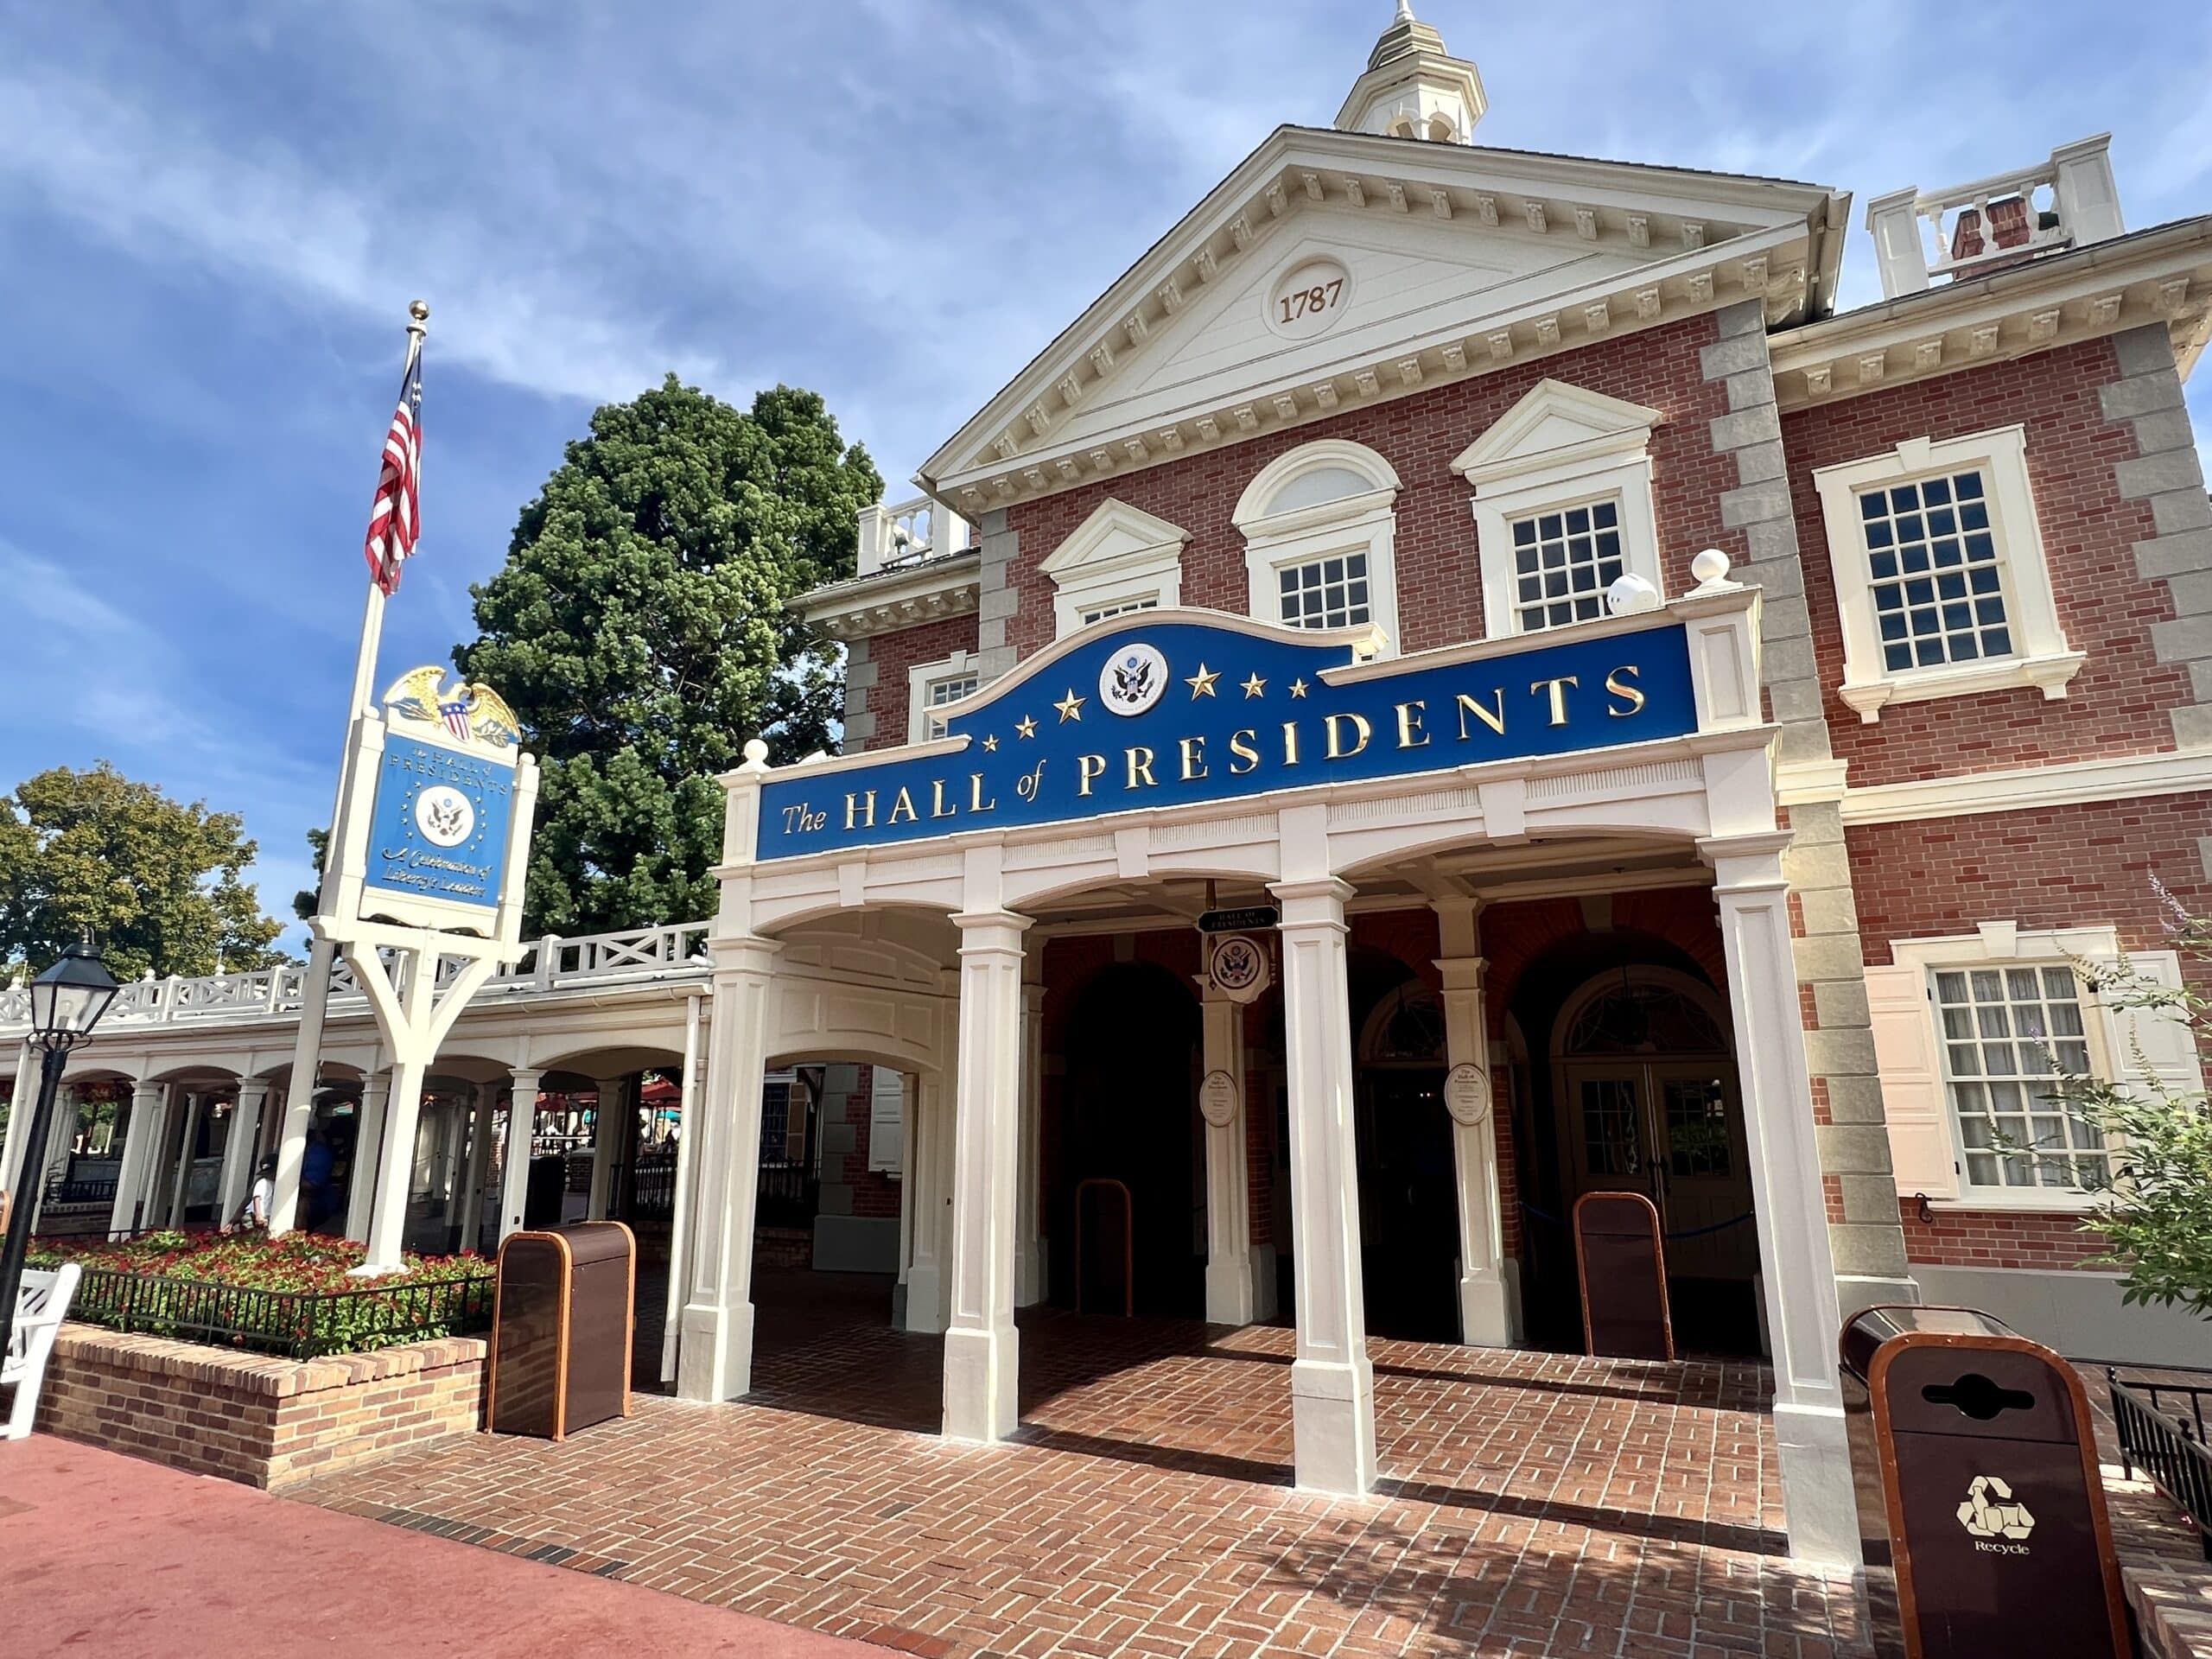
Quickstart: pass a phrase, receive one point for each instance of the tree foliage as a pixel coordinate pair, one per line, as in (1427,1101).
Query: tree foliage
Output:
(161,882)
(641,631)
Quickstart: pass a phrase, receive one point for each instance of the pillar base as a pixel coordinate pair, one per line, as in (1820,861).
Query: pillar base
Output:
(1265,1282)
(714,1359)
(982,1377)
(925,1310)
(1228,1289)
(1819,1501)
(1332,1425)
(1490,1308)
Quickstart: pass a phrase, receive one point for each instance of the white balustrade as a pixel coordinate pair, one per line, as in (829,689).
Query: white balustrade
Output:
(2068,201)
(907,533)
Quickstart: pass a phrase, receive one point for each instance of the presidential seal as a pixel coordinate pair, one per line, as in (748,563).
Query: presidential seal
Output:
(1134,677)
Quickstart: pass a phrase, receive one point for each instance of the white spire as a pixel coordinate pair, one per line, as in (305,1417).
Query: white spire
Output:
(1413,88)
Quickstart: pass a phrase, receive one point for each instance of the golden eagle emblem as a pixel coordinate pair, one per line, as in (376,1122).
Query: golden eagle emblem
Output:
(468,709)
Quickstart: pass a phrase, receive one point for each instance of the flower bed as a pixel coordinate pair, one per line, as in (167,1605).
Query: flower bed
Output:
(293,1295)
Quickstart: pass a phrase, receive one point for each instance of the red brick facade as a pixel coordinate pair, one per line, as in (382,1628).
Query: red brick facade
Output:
(2000,1238)
(892,655)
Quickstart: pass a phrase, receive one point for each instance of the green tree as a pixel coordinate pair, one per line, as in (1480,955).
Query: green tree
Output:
(161,882)
(305,901)
(641,630)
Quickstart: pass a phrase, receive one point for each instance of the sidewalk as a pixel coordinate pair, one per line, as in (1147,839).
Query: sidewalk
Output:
(104,1555)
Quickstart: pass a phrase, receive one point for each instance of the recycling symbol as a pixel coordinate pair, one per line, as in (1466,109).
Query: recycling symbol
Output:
(2002,1518)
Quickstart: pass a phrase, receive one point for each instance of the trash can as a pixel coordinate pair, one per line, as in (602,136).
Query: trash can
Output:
(563,1312)
(1981,1515)
(546,1192)
(1622,1261)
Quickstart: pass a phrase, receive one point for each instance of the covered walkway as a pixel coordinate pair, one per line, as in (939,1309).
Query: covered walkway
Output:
(1529,1503)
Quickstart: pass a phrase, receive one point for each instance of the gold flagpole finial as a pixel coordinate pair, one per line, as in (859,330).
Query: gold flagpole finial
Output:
(418,314)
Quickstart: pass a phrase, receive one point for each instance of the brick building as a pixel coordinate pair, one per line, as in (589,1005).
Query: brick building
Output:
(1868,670)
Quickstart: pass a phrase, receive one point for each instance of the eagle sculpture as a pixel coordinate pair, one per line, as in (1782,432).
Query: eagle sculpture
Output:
(467,708)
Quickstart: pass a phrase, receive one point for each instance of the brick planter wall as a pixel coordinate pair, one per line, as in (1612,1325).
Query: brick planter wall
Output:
(246,1417)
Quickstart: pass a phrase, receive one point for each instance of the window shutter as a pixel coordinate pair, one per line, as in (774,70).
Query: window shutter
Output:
(887,1122)
(2167,1047)
(1913,1097)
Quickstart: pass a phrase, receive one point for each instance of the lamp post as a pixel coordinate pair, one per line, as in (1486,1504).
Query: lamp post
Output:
(67,1001)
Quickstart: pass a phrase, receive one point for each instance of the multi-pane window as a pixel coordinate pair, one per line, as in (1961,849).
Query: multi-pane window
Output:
(1120,607)
(1933,569)
(1563,562)
(1331,593)
(944,693)
(2011,1032)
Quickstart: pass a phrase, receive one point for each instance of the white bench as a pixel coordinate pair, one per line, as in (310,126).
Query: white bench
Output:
(41,1306)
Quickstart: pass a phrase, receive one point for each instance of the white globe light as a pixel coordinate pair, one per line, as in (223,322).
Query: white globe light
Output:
(1630,595)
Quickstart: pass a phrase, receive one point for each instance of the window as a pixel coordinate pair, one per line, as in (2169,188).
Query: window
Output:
(1120,560)
(1563,562)
(1320,532)
(1562,507)
(1939,574)
(886,1122)
(2009,1033)
(933,688)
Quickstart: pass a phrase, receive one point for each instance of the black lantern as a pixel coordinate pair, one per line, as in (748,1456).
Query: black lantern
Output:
(67,1001)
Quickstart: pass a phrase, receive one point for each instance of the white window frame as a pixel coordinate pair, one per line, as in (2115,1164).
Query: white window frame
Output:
(887,1122)
(961,666)
(1366,523)
(1119,555)
(2112,1035)
(2041,654)
(1560,446)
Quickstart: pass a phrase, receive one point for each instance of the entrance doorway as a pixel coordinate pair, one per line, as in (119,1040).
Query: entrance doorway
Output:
(1408,1191)
(1646,1100)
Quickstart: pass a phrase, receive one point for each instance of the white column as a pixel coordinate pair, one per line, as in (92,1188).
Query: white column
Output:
(300,1084)
(1799,1272)
(60,1134)
(682,1206)
(142,1133)
(1490,1301)
(29,1061)
(395,1164)
(1029,1268)
(368,1154)
(238,1148)
(982,1378)
(173,1201)
(715,1356)
(514,1180)
(609,1133)
(1230,1291)
(1332,1384)
(484,1100)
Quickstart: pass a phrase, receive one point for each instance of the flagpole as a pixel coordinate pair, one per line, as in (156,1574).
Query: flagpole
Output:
(322,952)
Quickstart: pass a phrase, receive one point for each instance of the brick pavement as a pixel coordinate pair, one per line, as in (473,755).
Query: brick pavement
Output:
(1533,1504)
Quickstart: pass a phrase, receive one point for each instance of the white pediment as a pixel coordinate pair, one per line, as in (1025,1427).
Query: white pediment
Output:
(1115,536)
(1435,262)
(1555,425)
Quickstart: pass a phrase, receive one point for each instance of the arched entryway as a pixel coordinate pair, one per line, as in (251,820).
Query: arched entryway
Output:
(1408,1198)
(1129,1121)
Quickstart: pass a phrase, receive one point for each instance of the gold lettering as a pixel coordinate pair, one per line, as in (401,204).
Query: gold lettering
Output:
(1088,769)
(1411,735)
(938,808)
(904,803)
(1627,693)
(1245,759)
(1337,750)
(1194,759)
(1290,743)
(1558,689)
(976,801)
(1494,721)
(852,805)
(1140,769)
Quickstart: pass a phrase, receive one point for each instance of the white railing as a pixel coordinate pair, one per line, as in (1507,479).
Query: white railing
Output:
(908,533)
(1969,230)
(551,964)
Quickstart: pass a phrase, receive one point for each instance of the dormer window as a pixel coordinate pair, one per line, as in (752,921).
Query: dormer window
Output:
(1320,533)
(1119,560)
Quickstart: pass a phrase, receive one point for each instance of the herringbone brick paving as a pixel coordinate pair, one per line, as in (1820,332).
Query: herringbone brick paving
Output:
(1532,1504)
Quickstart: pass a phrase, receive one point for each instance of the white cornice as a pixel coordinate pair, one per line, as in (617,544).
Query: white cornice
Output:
(898,598)
(2025,789)
(2162,275)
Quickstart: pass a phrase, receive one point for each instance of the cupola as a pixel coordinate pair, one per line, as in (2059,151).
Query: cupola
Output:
(1413,88)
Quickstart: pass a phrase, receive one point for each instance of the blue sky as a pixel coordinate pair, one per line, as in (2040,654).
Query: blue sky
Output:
(214,216)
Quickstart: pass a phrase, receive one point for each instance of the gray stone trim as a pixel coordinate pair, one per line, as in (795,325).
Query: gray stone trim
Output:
(2167,474)
(1869,1242)
(997,601)
(860,682)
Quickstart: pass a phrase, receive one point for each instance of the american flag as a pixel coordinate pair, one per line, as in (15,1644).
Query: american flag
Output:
(393,525)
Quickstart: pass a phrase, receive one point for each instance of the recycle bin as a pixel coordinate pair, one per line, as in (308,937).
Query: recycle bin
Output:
(563,1312)
(1981,1515)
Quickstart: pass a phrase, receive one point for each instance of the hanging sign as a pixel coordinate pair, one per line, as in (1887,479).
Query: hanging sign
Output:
(444,810)
(1238,965)
(1250,919)
(1172,709)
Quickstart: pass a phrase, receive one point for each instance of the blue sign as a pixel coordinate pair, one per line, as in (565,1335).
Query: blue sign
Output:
(1160,713)
(439,829)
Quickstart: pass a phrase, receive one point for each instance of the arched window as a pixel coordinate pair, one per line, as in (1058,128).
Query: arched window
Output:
(1319,540)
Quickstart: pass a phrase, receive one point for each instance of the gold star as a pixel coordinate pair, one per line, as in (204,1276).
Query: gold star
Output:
(1201,683)
(991,744)
(1071,707)
(1255,685)
(1025,726)
(1298,687)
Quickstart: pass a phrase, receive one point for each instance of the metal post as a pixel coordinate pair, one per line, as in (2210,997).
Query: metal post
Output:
(19,1221)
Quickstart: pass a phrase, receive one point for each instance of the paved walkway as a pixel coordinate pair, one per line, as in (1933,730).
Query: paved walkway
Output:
(102,1555)
(1533,1504)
